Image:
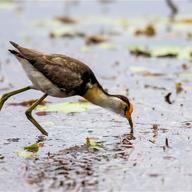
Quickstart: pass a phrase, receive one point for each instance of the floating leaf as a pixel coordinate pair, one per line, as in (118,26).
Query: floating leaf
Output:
(66,19)
(149,31)
(32,148)
(95,39)
(139,51)
(187,21)
(66,32)
(26,154)
(162,51)
(165,51)
(68,107)
(178,87)
(92,144)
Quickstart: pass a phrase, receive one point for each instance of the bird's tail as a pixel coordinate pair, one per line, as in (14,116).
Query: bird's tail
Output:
(16,53)
(23,52)
(14,44)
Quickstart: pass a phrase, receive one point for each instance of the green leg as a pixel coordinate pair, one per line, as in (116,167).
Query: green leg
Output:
(7,95)
(30,117)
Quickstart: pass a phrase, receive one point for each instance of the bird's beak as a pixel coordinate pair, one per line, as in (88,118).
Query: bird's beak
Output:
(128,115)
(130,122)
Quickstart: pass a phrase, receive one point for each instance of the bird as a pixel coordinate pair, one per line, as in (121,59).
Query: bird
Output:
(62,76)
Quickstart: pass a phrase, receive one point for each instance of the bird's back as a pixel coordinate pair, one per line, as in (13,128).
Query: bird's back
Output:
(70,75)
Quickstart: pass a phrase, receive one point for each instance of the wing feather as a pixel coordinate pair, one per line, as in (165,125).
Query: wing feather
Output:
(69,74)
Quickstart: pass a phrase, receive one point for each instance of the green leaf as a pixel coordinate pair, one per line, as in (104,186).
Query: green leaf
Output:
(92,144)
(67,107)
(32,148)
(178,87)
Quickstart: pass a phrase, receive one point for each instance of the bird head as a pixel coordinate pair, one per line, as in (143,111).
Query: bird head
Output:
(126,109)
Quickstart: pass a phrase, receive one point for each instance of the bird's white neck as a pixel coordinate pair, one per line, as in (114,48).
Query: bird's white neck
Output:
(98,96)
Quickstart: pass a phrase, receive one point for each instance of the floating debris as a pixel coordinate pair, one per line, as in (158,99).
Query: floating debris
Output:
(1,157)
(186,21)
(168,99)
(13,140)
(91,144)
(178,87)
(139,51)
(30,151)
(66,19)
(162,52)
(167,143)
(148,31)
(95,39)
(154,87)
(41,113)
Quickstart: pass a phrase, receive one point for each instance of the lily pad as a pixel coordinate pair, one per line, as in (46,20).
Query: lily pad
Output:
(32,148)
(162,51)
(68,107)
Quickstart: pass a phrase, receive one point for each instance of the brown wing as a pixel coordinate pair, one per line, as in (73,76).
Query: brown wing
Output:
(69,74)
